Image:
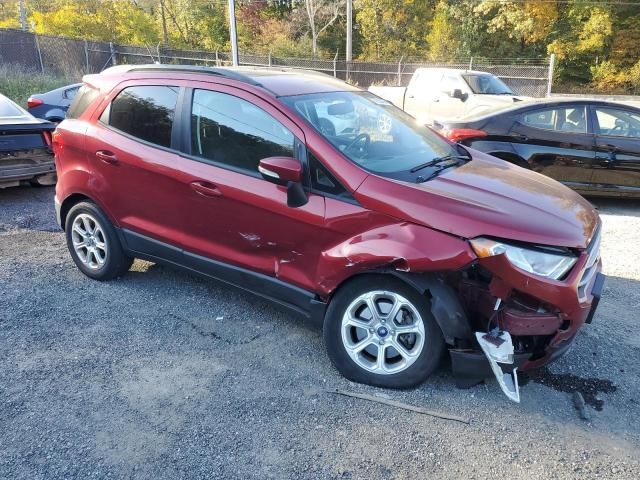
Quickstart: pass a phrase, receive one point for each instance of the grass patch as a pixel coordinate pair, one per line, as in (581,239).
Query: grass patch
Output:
(18,84)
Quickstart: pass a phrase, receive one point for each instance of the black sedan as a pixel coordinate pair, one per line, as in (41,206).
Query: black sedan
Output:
(591,146)
(25,147)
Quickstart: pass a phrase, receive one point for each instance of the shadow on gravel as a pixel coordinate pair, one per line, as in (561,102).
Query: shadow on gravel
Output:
(569,383)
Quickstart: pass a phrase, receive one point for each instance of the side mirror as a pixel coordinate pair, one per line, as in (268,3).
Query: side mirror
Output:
(281,170)
(285,171)
(457,93)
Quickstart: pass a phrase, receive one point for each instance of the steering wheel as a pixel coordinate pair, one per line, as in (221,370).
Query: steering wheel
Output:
(359,138)
(618,129)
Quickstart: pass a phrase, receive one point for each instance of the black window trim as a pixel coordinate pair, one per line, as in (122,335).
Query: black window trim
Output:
(185,135)
(174,148)
(541,108)
(300,147)
(596,123)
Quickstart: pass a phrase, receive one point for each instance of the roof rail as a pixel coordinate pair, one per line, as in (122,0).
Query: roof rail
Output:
(222,72)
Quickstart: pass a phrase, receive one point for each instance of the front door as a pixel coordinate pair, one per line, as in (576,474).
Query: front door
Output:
(234,215)
(445,106)
(617,165)
(557,143)
(421,93)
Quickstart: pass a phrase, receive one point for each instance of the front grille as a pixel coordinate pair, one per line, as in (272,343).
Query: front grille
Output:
(591,266)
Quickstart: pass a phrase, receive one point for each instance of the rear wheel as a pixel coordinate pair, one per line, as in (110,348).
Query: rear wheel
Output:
(381,332)
(93,243)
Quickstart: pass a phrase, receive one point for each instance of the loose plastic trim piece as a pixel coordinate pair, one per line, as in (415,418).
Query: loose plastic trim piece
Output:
(498,348)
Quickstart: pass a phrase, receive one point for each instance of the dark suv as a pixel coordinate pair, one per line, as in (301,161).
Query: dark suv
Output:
(334,203)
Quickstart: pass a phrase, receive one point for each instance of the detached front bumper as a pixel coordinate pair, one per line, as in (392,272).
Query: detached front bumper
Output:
(541,315)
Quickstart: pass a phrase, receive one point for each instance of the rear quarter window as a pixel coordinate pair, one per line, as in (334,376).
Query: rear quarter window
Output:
(85,97)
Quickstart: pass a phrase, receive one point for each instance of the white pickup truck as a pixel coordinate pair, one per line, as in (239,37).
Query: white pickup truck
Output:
(440,94)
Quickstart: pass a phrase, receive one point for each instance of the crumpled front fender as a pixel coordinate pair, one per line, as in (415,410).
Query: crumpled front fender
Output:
(404,247)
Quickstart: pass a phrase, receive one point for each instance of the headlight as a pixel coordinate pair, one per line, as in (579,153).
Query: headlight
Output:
(545,264)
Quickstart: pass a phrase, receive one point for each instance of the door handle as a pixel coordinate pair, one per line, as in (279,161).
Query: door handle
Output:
(205,188)
(107,157)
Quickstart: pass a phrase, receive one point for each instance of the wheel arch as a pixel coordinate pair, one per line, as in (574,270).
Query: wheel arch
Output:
(445,305)
(75,198)
(68,203)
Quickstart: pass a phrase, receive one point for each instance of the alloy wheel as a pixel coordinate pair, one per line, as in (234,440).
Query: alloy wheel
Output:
(89,241)
(383,332)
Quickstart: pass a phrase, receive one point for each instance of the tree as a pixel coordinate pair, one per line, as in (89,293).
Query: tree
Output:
(321,14)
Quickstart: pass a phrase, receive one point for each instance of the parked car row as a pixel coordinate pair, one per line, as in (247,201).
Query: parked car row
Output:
(334,203)
(25,147)
(591,146)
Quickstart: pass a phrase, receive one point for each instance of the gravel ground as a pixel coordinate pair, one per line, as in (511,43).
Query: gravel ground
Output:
(164,375)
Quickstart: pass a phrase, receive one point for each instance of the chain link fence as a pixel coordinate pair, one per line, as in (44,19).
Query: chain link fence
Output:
(72,58)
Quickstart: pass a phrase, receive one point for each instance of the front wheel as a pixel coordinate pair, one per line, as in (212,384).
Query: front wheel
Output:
(381,332)
(93,243)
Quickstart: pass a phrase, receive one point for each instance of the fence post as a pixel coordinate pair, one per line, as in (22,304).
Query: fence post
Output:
(112,50)
(270,59)
(400,71)
(39,52)
(86,55)
(552,64)
(217,59)
(471,63)
(335,64)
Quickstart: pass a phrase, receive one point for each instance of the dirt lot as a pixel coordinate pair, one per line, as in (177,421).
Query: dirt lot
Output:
(163,375)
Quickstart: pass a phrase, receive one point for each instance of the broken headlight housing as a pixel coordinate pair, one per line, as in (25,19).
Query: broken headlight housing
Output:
(543,262)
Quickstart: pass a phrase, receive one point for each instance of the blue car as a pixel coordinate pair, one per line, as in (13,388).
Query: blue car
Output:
(53,105)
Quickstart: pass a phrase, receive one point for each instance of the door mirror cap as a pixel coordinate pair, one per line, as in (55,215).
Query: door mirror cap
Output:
(281,170)
(457,93)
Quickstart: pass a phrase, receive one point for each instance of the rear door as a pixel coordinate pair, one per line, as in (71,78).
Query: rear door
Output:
(557,142)
(233,214)
(133,154)
(617,164)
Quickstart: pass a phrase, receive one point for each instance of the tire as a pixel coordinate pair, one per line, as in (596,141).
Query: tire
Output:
(103,258)
(343,339)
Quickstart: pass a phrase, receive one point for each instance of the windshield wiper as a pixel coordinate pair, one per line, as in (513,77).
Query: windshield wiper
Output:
(438,160)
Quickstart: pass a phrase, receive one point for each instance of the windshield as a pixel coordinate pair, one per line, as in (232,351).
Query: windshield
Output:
(372,132)
(486,84)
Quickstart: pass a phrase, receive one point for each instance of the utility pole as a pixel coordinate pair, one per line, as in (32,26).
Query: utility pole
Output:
(23,16)
(349,52)
(349,30)
(233,34)
(164,24)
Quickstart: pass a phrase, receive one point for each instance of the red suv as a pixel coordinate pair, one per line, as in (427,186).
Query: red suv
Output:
(332,202)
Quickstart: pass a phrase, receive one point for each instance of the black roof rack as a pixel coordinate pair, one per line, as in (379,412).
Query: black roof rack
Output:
(223,72)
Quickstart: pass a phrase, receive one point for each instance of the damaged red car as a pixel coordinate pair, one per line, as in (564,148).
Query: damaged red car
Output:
(332,202)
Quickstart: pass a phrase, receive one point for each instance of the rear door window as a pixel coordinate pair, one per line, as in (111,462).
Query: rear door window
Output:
(145,112)
(235,132)
(85,97)
(565,119)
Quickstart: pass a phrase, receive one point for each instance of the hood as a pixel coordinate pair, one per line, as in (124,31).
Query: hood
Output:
(488,197)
